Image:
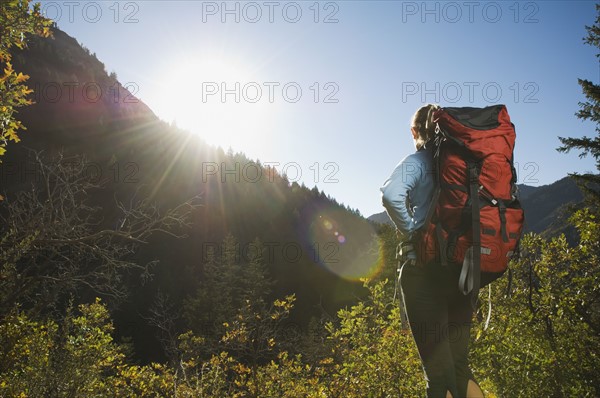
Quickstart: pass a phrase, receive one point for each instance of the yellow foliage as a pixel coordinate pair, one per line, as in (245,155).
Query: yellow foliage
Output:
(17,21)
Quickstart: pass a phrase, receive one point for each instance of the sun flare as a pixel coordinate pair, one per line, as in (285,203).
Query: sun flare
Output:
(219,99)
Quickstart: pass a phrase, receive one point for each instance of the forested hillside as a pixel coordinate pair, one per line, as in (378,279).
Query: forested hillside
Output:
(314,247)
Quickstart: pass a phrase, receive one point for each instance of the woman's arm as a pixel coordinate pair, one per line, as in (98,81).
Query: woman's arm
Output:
(395,192)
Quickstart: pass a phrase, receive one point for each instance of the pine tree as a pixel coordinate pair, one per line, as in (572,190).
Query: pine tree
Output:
(214,301)
(589,110)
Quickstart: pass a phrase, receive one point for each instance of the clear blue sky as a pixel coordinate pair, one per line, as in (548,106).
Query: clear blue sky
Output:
(374,63)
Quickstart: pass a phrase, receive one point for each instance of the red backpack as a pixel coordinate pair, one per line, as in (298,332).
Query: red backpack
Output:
(475,218)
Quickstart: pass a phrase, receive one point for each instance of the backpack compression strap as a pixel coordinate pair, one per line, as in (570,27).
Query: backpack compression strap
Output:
(469,280)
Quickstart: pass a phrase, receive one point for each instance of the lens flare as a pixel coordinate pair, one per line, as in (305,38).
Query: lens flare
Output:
(341,242)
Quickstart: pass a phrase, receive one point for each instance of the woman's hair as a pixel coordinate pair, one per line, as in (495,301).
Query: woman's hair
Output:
(422,121)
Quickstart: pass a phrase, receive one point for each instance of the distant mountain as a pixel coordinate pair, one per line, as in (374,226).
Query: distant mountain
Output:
(316,245)
(544,207)
(525,191)
(381,218)
(542,204)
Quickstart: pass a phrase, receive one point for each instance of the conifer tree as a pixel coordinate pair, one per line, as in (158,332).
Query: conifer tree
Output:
(589,110)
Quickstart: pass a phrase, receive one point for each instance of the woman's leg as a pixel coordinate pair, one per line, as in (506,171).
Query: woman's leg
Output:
(473,390)
(460,320)
(426,306)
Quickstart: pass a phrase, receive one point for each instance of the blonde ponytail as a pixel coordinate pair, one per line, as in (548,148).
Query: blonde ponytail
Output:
(422,122)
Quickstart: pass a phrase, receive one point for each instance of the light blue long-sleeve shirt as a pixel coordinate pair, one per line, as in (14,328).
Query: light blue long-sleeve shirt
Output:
(407,193)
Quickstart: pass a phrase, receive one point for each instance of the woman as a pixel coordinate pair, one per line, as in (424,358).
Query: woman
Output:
(440,316)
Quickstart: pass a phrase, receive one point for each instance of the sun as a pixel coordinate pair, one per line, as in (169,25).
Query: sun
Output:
(218,98)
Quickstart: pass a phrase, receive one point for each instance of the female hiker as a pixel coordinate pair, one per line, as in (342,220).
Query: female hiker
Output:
(440,316)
